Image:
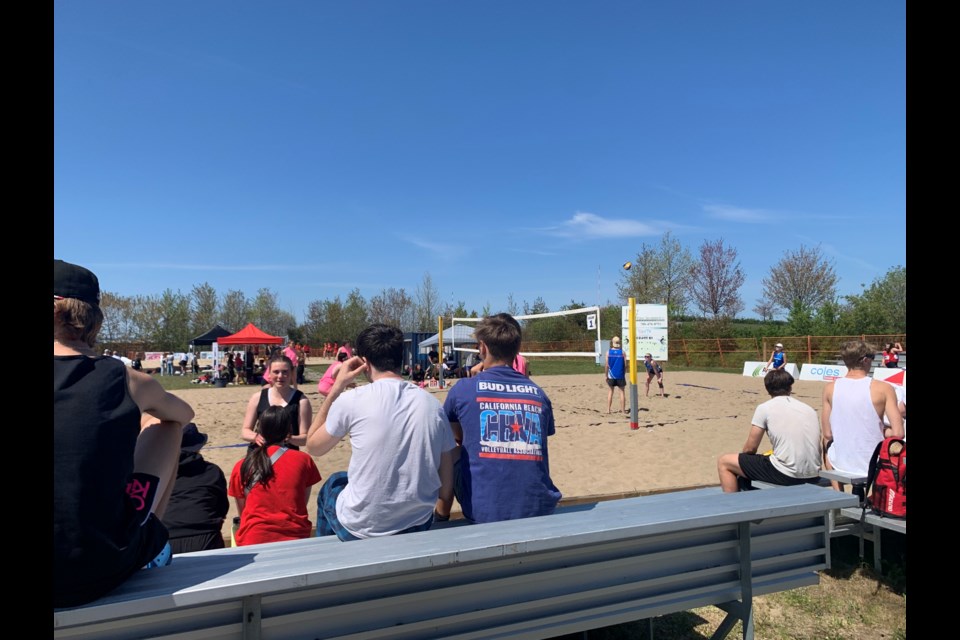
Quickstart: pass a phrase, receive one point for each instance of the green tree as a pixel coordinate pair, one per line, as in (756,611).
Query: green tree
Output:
(393,307)
(660,274)
(173,328)
(803,277)
(204,308)
(118,325)
(355,314)
(800,320)
(716,279)
(235,310)
(882,307)
(266,314)
(428,304)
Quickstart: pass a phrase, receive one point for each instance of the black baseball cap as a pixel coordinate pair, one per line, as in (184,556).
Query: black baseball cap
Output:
(74,281)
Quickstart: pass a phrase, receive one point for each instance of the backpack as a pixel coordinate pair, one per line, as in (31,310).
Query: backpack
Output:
(887,479)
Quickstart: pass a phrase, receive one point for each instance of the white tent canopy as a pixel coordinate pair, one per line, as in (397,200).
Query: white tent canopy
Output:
(458,334)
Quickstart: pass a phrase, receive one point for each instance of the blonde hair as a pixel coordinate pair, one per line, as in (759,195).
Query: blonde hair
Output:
(76,320)
(854,352)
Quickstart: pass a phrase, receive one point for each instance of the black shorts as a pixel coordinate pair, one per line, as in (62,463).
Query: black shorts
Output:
(147,544)
(617,382)
(758,467)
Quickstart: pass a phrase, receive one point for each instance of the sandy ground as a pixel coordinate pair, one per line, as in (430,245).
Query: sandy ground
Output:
(592,453)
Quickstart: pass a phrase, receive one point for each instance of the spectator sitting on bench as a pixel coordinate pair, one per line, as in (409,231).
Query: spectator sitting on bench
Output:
(851,419)
(116,438)
(198,504)
(792,429)
(272,483)
(401,459)
(494,479)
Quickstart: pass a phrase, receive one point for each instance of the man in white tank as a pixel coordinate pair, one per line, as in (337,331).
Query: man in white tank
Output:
(851,421)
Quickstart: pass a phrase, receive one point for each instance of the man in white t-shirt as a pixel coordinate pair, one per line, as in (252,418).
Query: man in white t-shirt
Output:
(793,430)
(401,446)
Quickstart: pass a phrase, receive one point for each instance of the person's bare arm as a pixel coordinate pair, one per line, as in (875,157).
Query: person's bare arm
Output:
(241,503)
(457,431)
(319,440)
(892,411)
(826,433)
(306,416)
(250,421)
(753,439)
(152,398)
(445,500)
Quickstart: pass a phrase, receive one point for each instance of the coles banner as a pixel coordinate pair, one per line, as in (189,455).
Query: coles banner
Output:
(822,372)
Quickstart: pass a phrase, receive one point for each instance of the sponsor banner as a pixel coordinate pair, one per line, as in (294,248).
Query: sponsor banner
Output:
(755,369)
(205,355)
(651,331)
(822,372)
(893,376)
(153,355)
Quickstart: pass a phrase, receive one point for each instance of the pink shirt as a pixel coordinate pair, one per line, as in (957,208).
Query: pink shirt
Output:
(291,353)
(520,364)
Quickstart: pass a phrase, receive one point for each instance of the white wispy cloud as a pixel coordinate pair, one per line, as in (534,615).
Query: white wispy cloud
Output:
(590,225)
(835,253)
(732,213)
(435,247)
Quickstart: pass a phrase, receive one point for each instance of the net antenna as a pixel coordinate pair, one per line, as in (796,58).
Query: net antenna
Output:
(591,334)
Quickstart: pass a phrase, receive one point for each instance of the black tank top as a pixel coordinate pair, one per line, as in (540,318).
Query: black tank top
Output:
(96,533)
(292,407)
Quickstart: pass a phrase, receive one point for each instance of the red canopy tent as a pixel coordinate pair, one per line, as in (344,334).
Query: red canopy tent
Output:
(250,334)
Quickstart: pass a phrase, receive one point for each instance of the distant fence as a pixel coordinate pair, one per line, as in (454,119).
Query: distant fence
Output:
(731,353)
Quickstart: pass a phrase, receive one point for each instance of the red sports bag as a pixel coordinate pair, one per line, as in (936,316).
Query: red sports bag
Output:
(887,479)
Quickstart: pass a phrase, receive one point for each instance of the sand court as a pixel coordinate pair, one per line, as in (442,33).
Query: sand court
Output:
(592,453)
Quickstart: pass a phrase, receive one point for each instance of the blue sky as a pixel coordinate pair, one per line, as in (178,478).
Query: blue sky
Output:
(525,148)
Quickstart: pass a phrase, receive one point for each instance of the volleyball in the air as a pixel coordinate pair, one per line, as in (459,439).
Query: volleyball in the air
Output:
(627,265)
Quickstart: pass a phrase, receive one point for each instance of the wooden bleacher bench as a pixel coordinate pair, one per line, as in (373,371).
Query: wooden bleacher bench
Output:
(584,567)
(846,521)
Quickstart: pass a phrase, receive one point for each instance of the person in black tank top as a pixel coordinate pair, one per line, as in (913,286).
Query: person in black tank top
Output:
(105,509)
(280,374)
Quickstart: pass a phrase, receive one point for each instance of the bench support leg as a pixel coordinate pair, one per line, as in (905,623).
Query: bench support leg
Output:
(876,549)
(251,618)
(742,610)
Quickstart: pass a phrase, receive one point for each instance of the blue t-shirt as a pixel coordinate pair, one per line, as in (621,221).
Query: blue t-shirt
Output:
(777,359)
(616,362)
(504,466)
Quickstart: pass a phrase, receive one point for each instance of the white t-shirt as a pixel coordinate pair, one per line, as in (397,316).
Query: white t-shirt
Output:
(794,431)
(397,435)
